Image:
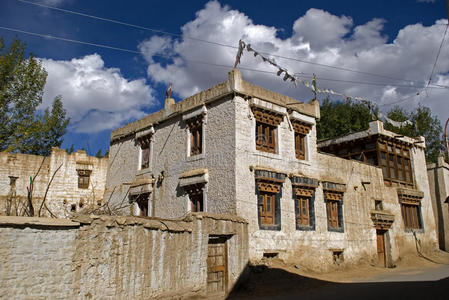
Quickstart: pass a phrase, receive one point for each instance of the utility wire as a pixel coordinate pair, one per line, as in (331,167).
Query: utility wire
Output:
(210,42)
(438,55)
(47,36)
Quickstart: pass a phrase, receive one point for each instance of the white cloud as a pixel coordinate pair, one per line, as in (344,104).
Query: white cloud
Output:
(317,36)
(52,2)
(95,97)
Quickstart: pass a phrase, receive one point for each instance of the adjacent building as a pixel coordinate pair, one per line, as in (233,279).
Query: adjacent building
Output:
(240,149)
(439,187)
(67,182)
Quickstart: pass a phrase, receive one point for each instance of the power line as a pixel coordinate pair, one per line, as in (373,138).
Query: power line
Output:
(212,42)
(47,36)
(438,55)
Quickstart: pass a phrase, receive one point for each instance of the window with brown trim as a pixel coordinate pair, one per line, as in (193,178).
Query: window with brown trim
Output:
(334,208)
(145,151)
(411,216)
(266,127)
(304,197)
(267,208)
(196,196)
(301,131)
(268,194)
(395,162)
(195,126)
(83,179)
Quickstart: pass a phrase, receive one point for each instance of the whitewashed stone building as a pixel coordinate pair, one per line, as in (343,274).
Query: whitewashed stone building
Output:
(237,148)
(68,182)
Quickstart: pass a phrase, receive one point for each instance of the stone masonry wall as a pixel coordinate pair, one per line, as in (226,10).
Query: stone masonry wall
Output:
(313,248)
(114,257)
(63,196)
(169,157)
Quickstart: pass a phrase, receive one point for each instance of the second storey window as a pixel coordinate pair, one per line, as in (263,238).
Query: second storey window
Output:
(266,129)
(301,130)
(144,140)
(196,197)
(195,126)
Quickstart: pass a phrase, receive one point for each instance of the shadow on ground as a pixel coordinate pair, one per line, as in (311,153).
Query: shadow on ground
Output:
(272,283)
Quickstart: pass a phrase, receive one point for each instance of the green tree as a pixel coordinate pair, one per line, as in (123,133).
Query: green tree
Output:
(98,155)
(22,82)
(71,149)
(342,117)
(425,124)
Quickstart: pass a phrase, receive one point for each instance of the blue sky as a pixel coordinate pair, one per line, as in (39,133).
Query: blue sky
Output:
(103,89)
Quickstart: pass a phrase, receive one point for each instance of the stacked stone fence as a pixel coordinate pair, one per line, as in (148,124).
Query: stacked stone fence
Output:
(105,257)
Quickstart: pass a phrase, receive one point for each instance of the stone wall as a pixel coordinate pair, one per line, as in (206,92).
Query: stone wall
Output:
(364,184)
(439,186)
(169,159)
(63,196)
(114,257)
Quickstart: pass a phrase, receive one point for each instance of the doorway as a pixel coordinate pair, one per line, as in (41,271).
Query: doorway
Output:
(217,267)
(381,254)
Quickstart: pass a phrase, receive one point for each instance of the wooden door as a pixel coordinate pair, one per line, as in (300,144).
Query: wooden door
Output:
(380,234)
(217,265)
(267,209)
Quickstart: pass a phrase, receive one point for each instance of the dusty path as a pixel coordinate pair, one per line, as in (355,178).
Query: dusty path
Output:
(413,278)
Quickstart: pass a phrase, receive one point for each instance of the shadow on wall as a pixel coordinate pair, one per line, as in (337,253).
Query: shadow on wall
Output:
(263,282)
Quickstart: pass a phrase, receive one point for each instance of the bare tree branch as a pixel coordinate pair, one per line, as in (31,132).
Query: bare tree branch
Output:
(46,190)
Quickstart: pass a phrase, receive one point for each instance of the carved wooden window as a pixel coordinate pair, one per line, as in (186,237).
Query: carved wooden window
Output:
(267,202)
(267,208)
(195,192)
(301,130)
(334,202)
(303,206)
(266,125)
(195,135)
(145,148)
(83,179)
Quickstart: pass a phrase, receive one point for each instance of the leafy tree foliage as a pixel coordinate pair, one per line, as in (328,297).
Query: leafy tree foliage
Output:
(98,155)
(342,117)
(22,83)
(425,125)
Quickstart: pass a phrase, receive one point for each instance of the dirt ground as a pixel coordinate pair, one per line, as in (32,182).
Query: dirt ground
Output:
(413,277)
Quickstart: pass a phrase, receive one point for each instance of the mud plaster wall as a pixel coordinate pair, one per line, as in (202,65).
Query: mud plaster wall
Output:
(439,186)
(113,257)
(169,155)
(312,248)
(63,191)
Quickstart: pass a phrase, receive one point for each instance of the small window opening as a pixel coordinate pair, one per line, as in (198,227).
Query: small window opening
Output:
(73,207)
(270,254)
(337,257)
(83,178)
(378,205)
(12,181)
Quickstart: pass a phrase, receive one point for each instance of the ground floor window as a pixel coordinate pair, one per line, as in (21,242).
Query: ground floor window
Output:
(334,208)
(304,208)
(411,216)
(268,201)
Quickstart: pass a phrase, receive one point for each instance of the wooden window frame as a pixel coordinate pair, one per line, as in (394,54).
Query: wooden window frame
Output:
(304,198)
(267,123)
(301,130)
(142,201)
(83,178)
(196,197)
(145,151)
(397,164)
(268,199)
(334,209)
(195,126)
(411,215)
